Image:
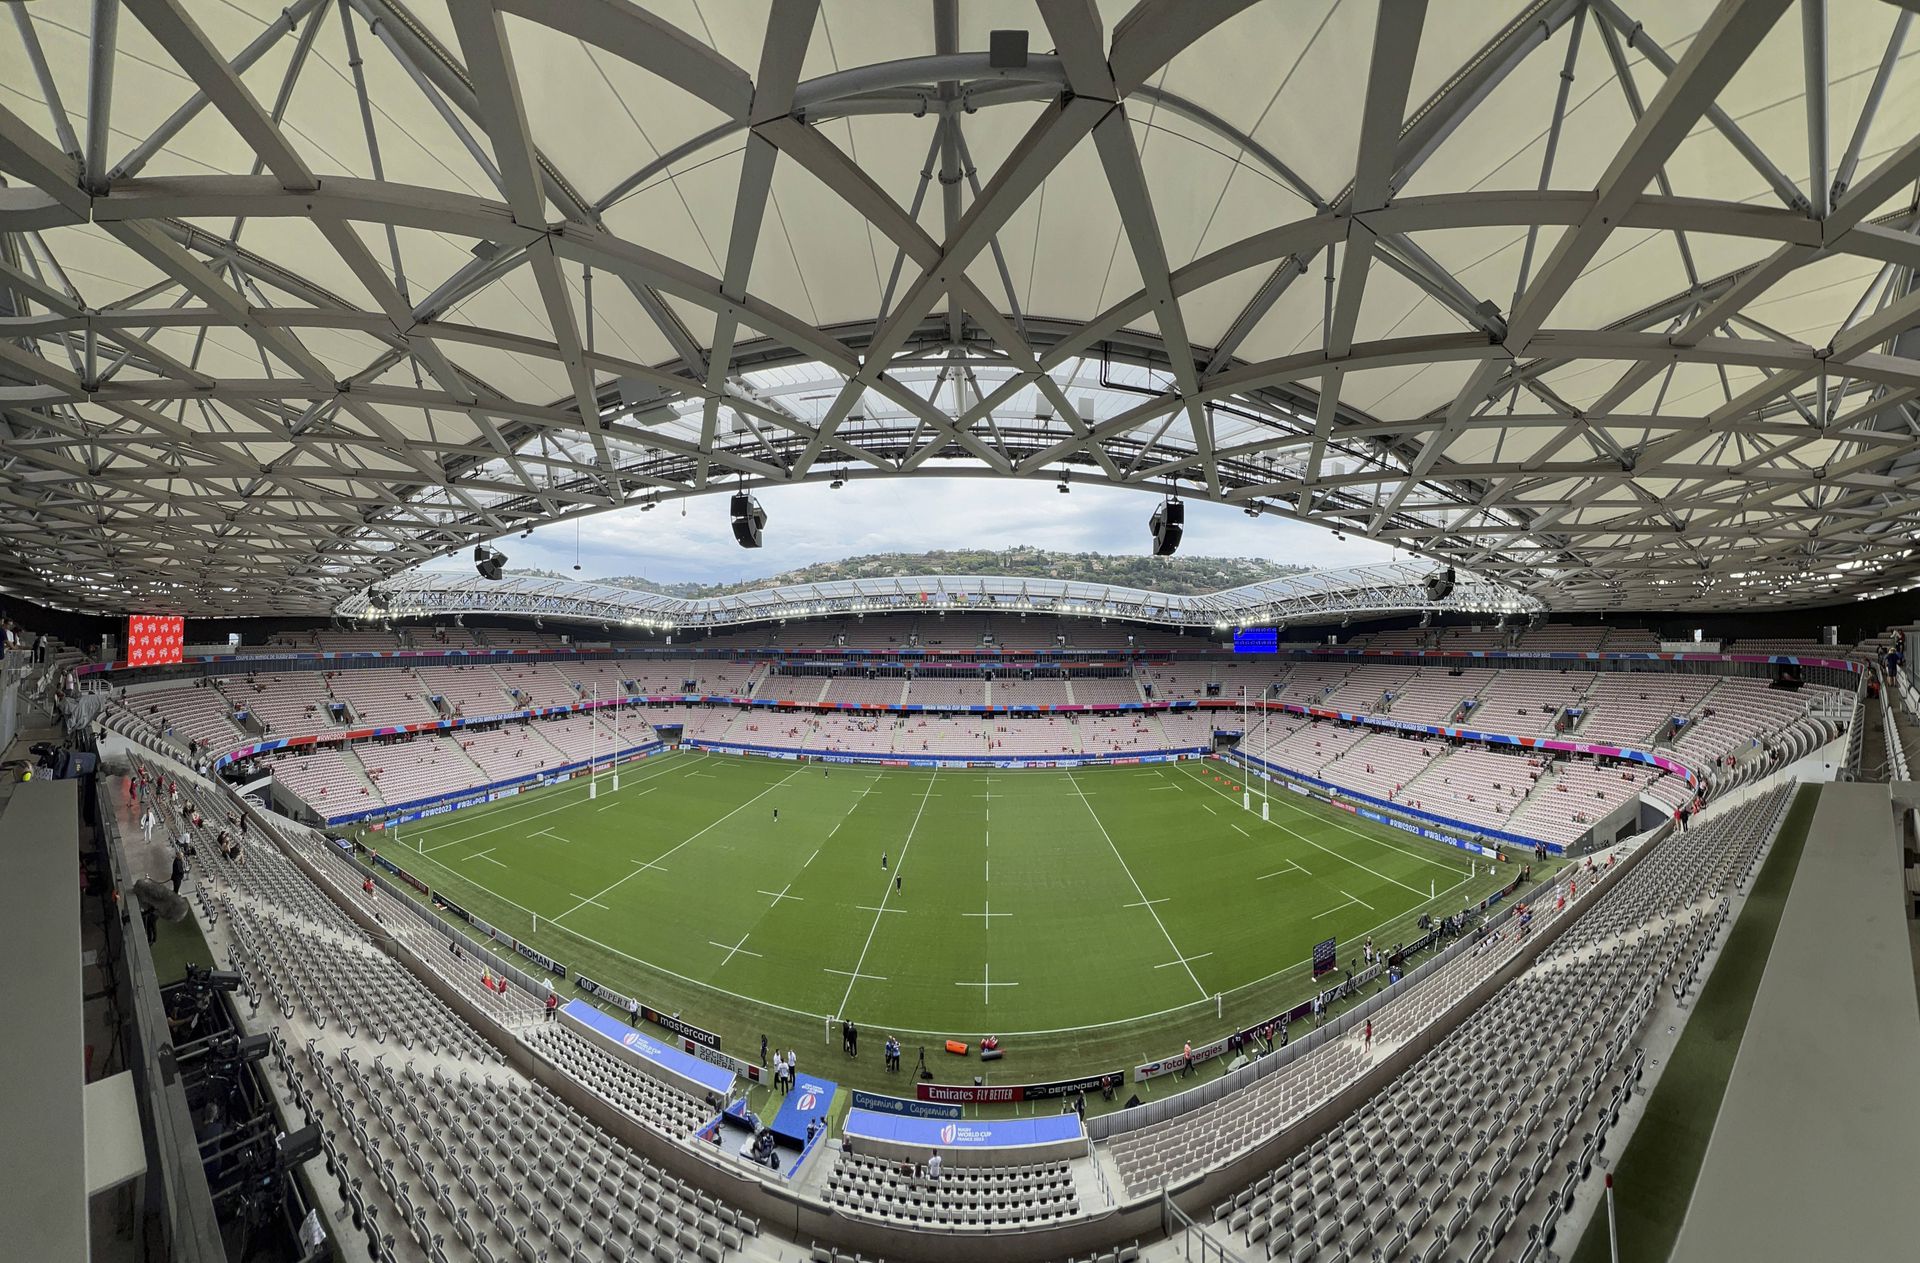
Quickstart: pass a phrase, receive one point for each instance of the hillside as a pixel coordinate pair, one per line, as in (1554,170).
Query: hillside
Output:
(1183,575)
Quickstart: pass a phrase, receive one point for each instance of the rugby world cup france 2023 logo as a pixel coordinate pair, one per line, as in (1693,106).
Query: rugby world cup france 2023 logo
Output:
(947,1134)
(807,1102)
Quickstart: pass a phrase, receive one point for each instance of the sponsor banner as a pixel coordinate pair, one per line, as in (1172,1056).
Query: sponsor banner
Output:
(685,1030)
(608,994)
(874,1102)
(445,904)
(934,1133)
(714,1057)
(947,761)
(693,1037)
(541,959)
(1174,1064)
(990,1094)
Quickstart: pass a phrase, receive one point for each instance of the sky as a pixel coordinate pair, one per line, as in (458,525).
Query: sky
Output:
(691,540)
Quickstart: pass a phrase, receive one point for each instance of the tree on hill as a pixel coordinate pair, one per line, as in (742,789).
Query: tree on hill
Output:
(1179,575)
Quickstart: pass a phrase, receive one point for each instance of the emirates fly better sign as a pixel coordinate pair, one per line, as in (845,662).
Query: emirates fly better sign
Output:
(154,638)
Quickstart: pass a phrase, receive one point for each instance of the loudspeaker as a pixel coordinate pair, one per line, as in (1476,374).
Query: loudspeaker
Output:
(1166,525)
(749,520)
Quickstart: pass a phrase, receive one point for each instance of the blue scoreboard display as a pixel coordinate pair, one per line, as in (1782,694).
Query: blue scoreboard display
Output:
(1256,640)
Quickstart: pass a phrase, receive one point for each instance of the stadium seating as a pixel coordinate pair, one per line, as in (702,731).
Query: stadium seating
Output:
(389,695)
(1007,690)
(284,705)
(1432,696)
(1526,703)
(328,779)
(469,692)
(1104,690)
(886,690)
(958,1199)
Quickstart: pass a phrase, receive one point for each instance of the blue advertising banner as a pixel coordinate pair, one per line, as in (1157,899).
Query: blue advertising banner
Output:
(995,1133)
(807,1103)
(684,1066)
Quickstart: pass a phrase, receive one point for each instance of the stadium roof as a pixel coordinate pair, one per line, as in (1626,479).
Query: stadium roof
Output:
(1320,596)
(1607,299)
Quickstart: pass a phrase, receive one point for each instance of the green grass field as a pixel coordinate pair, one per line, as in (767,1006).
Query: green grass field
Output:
(1088,918)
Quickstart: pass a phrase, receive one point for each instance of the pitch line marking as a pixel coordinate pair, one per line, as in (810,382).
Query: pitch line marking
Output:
(856,975)
(517,801)
(1154,789)
(986,984)
(867,907)
(1427,859)
(655,861)
(642,794)
(812,858)
(549,833)
(987,916)
(1146,903)
(1348,904)
(1281,872)
(886,892)
(595,902)
(1242,832)
(491,860)
(643,867)
(1136,885)
(1337,855)
(735,950)
(777,896)
(1183,960)
(1210,810)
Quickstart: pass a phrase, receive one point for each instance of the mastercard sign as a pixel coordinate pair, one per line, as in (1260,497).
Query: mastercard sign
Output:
(153,639)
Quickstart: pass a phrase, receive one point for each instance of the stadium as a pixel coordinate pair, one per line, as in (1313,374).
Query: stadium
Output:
(1508,858)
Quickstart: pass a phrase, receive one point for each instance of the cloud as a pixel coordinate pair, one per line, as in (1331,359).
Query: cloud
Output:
(691,541)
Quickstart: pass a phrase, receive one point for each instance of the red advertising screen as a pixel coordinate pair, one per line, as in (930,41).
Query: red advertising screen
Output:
(154,638)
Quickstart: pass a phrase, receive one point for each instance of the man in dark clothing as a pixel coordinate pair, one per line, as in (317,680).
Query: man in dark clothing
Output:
(763,1049)
(179,869)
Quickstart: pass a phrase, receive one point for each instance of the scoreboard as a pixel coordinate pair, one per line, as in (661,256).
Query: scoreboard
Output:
(153,639)
(1256,640)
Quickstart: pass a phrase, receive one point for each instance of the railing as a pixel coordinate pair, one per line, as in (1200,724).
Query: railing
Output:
(1890,731)
(1857,734)
(1191,1240)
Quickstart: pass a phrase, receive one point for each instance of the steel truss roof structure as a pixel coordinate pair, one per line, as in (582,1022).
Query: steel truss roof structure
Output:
(1320,596)
(1608,300)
